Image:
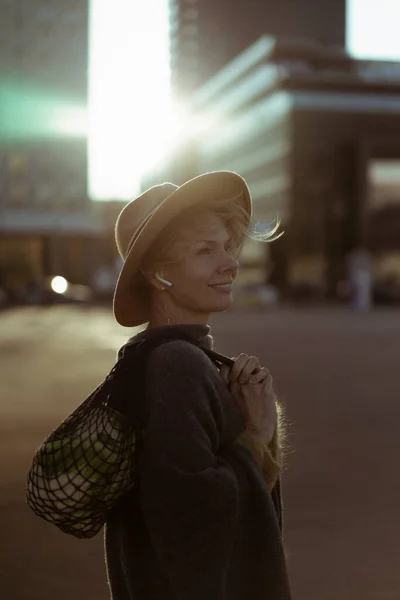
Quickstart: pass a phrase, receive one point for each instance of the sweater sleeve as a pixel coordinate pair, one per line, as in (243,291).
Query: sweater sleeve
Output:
(267,456)
(189,494)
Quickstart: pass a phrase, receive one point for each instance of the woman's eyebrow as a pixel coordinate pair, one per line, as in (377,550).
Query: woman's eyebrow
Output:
(211,241)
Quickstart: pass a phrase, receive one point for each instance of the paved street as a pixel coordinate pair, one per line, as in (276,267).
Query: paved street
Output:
(339,375)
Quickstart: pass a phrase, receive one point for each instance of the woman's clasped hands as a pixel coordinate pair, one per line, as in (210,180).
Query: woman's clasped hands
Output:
(251,386)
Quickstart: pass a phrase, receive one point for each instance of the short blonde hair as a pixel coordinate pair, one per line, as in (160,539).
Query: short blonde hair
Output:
(232,213)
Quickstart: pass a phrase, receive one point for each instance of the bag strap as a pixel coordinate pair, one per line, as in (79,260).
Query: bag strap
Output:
(151,344)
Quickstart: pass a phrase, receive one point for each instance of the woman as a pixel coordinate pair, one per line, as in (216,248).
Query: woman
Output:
(205,521)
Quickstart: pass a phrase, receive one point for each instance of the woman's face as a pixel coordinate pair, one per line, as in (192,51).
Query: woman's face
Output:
(204,261)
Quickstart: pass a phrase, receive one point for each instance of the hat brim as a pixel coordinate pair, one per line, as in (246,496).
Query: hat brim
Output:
(131,304)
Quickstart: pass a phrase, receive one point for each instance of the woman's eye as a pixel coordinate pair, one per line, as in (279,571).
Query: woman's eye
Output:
(229,249)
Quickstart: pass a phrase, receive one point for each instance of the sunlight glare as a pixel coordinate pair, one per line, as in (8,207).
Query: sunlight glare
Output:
(72,122)
(131,120)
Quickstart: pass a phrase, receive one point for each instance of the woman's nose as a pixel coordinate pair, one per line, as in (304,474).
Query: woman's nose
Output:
(230,265)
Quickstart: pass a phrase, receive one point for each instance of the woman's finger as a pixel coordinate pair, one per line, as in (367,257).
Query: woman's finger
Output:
(252,365)
(238,366)
(260,375)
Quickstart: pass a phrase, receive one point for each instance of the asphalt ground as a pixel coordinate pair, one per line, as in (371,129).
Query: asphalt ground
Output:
(338,374)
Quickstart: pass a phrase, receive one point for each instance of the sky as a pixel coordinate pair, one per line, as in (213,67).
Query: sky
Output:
(131,119)
(373,29)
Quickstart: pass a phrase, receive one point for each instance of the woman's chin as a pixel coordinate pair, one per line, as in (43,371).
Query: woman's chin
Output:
(223,304)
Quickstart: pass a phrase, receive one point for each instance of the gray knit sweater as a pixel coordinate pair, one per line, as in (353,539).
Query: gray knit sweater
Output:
(201,524)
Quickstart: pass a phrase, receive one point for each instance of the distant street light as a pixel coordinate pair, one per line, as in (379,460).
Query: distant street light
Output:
(59,285)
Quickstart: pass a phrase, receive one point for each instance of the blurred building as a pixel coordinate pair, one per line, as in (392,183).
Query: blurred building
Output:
(47,225)
(317,136)
(207,35)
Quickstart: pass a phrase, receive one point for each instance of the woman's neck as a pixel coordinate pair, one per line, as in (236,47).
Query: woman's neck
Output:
(189,320)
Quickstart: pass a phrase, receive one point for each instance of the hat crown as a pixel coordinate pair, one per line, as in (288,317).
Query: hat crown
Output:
(136,213)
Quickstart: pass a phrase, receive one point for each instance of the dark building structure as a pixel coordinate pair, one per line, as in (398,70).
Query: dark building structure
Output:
(47,225)
(207,34)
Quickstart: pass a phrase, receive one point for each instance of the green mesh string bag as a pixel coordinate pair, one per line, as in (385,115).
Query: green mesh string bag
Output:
(86,464)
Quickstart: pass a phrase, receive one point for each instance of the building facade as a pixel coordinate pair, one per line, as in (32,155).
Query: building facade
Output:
(47,224)
(207,35)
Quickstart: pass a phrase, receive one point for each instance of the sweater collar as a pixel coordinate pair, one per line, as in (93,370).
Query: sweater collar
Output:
(200,333)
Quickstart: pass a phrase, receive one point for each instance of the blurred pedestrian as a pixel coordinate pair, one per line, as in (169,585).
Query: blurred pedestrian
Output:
(360,279)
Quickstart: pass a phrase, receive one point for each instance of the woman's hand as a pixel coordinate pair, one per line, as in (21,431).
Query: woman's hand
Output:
(251,386)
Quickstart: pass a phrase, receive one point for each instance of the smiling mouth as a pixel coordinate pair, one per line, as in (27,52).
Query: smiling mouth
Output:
(226,287)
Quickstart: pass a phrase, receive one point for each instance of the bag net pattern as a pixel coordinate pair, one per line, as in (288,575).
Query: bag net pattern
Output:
(86,464)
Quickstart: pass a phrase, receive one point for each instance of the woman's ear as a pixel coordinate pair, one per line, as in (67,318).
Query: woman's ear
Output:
(149,277)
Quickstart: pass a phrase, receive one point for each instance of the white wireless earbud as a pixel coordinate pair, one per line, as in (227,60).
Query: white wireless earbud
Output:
(157,276)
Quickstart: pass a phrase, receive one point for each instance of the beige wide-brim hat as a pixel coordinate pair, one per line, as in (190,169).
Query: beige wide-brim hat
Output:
(143,219)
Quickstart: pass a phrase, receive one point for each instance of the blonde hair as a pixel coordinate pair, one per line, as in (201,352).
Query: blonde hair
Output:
(232,213)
